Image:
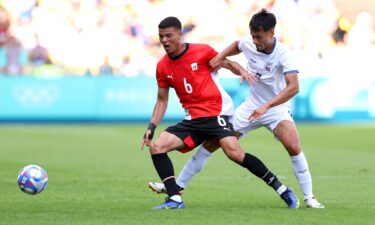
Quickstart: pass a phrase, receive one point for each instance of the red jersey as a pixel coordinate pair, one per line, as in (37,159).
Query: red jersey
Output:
(199,91)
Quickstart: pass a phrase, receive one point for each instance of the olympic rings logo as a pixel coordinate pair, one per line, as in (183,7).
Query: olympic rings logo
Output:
(36,95)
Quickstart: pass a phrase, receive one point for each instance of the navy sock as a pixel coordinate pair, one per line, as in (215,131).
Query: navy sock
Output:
(257,167)
(164,167)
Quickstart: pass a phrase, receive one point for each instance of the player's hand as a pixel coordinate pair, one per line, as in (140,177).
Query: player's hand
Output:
(215,64)
(145,140)
(249,77)
(257,113)
(147,137)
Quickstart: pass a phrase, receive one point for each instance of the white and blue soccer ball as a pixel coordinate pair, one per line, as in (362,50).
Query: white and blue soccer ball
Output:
(32,179)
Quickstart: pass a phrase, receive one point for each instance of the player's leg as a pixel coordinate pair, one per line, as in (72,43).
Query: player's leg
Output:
(184,137)
(199,160)
(164,167)
(196,163)
(191,168)
(242,126)
(234,152)
(287,133)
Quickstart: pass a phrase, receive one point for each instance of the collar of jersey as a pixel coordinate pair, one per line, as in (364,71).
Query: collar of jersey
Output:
(181,54)
(274,45)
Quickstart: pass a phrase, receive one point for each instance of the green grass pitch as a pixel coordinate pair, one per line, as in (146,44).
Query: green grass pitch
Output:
(98,175)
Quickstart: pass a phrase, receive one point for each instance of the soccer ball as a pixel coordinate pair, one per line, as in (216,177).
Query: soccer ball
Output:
(32,179)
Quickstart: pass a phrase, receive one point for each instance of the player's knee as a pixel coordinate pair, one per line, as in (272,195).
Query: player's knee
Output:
(155,148)
(235,154)
(293,149)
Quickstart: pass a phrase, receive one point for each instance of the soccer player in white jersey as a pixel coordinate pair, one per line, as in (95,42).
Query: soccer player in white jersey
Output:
(267,104)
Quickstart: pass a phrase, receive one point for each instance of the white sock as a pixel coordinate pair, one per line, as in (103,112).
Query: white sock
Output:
(176,198)
(301,170)
(195,164)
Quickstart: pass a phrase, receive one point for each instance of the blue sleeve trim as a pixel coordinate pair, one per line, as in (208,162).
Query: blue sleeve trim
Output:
(291,71)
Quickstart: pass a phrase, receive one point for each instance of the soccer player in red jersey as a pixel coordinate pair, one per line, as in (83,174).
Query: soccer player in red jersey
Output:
(185,67)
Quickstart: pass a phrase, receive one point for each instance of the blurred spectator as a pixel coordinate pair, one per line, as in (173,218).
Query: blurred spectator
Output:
(129,69)
(38,55)
(188,27)
(4,25)
(289,22)
(79,35)
(106,68)
(48,70)
(13,57)
(318,18)
(342,28)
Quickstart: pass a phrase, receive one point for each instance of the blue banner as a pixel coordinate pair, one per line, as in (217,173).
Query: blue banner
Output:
(108,98)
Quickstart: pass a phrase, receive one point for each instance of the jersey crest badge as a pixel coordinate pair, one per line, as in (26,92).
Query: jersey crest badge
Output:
(268,67)
(194,66)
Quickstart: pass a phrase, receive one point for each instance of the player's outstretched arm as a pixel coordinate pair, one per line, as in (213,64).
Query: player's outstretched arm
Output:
(232,49)
(157,115)
(238,70)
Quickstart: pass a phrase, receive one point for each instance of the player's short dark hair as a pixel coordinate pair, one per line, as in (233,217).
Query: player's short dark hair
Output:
(262,21)
(170,21)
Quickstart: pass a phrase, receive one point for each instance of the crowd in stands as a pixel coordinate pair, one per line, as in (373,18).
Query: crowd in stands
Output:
(119,37)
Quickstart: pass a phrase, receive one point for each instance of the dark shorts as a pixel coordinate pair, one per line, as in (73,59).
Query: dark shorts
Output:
(195,132)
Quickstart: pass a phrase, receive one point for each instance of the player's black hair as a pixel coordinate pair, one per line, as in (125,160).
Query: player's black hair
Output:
(170,21)
(262,21)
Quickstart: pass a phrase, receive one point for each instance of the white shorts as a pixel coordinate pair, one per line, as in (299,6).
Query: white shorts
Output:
(269,119)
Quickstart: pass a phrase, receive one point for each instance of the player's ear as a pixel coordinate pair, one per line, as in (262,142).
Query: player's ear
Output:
(272,32)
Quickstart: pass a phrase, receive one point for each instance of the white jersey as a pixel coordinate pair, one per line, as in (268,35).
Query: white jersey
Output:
(270,70)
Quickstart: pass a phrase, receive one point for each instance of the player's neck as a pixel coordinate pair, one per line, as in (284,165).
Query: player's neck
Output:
(179,51)
(270,48)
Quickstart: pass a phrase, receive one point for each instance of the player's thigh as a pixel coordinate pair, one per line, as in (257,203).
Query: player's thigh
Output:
(240,120)
(211,145)
(286,132)
(217,127)
(188,131)
(166,142)
(232,148)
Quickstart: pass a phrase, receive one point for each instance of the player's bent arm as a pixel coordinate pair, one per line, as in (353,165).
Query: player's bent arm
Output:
(291,89)
(287,93)
(160,106)
(233,66)
(237,69)
(230,50)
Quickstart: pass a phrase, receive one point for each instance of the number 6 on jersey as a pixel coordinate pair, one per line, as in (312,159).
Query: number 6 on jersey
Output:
(188,87)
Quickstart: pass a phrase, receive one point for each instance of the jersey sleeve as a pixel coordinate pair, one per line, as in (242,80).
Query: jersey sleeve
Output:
(288,63)
(210,53)
(161,80)
(241,44)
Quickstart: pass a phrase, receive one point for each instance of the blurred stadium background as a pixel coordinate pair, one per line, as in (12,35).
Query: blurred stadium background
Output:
(94,60)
